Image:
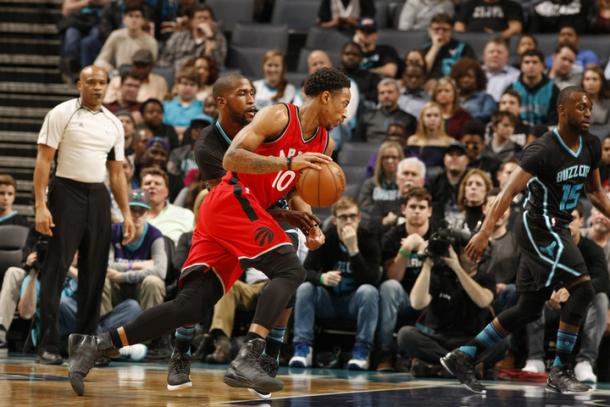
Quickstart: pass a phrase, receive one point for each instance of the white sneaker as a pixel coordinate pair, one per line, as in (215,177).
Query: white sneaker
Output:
(360,358)
(534,366)
(302,356)
(135,353)
(584,372)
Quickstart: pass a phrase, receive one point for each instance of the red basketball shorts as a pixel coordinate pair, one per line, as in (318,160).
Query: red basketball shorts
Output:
(232,227)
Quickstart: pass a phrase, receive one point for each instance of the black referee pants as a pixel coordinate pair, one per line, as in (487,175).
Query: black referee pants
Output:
(81,213)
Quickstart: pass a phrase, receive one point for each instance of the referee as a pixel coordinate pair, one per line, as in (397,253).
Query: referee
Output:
(76,212)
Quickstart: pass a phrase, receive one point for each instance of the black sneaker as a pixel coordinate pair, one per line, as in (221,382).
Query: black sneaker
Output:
(49,358)
(246,371)
(270,366)
(562,380)
(179,371)
(84,350)
(459,365)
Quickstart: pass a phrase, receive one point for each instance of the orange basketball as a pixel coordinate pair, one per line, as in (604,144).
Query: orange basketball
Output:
(321,188)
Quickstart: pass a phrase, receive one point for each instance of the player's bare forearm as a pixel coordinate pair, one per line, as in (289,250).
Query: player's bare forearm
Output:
(517,182)
(118,185)
(243,160)
(44,157)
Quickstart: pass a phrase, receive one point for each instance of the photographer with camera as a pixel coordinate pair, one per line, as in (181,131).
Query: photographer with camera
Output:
(402,265)
(453,296)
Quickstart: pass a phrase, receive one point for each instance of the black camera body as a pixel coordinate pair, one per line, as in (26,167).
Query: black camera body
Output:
(439,242)
(41,247)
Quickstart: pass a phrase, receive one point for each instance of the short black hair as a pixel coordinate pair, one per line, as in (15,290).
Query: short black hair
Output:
(351,44)
(130,74)
(149,101)
(325,79)
(474,127)
(567,92)
(533,53)
(129,7)
(226,83)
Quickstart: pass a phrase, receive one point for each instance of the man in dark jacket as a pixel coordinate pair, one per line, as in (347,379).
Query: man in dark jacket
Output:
(341,282)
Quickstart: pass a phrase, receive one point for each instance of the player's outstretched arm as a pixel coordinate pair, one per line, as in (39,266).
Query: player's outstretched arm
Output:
(516,183)
(596,194)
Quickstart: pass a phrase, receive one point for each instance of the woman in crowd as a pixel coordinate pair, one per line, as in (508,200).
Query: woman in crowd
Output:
(472,84)
(445,93)
(379,198)
(472,194)
(273,88)
(596,86)
(208,73)
(430,140)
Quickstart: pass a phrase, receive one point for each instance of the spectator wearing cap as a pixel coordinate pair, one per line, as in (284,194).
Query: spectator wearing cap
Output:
(185,106)
(152,86)
(444,51)
(137,270)
(152,111)
(128,96)
(444,187)
(123,43)
(417,14)
(171,220)
(344,14)
(380,59)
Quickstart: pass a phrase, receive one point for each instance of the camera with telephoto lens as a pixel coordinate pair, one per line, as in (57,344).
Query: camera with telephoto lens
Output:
(439,242)
(41,247)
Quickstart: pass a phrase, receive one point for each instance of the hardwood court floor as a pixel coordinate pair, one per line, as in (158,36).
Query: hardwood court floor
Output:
(25,383)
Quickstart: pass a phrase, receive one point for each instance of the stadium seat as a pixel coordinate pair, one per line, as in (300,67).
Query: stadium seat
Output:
(296,78)
(598,44)
(12,241)
(264,36)
(476,40)
(356,153)
(326,39)
(249,61)
(403,41)
(167,72)
(354,174)
(230,12)
(381,14)
(298,15)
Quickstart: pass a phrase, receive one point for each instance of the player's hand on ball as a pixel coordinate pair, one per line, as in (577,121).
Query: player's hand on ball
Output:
(315,238)
(476,246)
(299,219)
(44,221)
(309,160)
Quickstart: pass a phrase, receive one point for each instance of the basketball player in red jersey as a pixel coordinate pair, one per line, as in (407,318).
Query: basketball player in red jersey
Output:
(263,161)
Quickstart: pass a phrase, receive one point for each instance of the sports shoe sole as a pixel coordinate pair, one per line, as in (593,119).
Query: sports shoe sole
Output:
(552,389)
(174,387)
(463,384)
(236,380)
(264,396)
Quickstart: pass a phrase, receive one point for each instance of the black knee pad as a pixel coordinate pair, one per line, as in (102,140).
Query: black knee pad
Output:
(575,308)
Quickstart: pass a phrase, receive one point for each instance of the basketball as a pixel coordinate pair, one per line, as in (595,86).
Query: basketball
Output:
(322,188)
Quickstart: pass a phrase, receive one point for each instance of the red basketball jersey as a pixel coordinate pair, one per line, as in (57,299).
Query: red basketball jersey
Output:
(269,188)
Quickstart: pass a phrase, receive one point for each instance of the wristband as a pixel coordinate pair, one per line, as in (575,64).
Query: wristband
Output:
(404,253)
(321,279)
(289,163)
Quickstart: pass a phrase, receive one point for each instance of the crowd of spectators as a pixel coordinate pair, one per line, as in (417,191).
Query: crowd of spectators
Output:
(447,129)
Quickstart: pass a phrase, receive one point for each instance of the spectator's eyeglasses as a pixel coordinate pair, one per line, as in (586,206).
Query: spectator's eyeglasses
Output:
(351,216)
